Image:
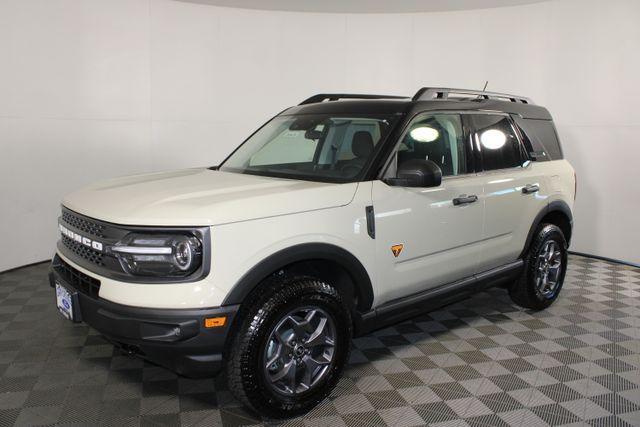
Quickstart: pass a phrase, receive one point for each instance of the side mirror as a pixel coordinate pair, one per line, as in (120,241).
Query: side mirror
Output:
(417,173)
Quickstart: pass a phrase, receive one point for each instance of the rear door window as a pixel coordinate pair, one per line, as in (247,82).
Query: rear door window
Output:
(495,140)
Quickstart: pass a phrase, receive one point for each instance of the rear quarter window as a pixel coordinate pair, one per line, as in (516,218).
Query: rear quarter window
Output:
(540,138)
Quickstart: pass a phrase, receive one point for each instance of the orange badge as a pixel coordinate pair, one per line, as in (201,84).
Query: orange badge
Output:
(396,249)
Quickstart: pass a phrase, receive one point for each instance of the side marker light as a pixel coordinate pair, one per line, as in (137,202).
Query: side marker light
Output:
(215,322)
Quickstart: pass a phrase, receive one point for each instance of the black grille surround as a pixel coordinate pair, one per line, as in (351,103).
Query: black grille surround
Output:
(103,262)
(83,224)
(74,277)
(95,230)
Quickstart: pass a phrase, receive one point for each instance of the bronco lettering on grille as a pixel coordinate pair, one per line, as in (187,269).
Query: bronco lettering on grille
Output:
(80,239)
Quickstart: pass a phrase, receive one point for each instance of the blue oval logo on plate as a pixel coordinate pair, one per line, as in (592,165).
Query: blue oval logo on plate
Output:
(66,304)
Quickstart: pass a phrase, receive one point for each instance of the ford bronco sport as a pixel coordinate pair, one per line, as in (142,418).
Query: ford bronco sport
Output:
(340,215)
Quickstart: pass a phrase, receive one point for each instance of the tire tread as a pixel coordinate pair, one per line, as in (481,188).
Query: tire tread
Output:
(521,292)
(272,294)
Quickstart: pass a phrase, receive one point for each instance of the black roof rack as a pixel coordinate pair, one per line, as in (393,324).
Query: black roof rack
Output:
(431,93)
(424,94)
(321,97)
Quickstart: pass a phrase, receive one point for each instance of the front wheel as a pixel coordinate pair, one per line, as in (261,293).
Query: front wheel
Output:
(290,348)
(545,265)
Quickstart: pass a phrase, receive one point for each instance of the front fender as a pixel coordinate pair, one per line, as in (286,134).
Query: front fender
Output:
(302,252)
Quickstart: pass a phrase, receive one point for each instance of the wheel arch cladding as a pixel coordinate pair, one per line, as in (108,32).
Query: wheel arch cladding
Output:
(557,213)
(325,261)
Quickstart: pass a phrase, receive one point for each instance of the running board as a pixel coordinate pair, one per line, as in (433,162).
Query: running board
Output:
(412,305)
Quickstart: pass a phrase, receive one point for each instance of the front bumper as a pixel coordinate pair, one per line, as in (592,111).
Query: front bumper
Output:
(173,338)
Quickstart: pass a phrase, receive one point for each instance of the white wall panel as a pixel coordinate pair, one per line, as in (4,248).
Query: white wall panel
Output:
(379,53)
(75,59)
(185,63)
(121,86)
(606,213)
(42,159)
(185,144)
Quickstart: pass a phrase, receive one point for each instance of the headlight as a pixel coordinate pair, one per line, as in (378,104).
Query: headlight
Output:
(164,255)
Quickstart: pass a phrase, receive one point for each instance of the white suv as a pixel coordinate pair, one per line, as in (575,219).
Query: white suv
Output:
(340,215)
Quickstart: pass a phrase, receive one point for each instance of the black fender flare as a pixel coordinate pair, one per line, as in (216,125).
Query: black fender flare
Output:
(305,252)
(554,206)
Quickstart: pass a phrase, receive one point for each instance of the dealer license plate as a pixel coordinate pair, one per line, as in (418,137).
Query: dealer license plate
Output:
(64,301)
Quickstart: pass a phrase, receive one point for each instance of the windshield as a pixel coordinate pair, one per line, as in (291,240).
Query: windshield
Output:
(314,147)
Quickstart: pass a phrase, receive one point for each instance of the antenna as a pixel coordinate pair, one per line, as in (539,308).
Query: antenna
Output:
(485,85)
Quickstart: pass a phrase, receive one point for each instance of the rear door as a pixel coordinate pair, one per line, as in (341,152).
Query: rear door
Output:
(422,238)
(515,190)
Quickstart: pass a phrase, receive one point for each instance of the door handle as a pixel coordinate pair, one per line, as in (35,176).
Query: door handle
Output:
(530,188)
(464,199)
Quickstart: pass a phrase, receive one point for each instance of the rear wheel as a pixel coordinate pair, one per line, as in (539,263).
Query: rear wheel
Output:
(290,348)
(545,266)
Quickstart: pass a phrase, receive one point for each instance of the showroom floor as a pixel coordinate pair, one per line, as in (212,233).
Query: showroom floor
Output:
(480,362)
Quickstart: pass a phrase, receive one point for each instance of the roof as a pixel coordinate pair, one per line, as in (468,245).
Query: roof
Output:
(362,106)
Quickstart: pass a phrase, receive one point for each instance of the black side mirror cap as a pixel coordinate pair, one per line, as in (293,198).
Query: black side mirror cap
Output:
(417,173)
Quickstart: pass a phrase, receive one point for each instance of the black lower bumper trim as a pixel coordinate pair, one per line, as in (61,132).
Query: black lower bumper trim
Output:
(173,338)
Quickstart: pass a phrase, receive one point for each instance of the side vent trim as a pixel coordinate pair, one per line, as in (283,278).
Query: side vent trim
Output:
(371,222)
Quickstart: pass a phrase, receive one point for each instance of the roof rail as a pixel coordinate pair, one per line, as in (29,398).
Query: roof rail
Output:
(430,93)
(321,97)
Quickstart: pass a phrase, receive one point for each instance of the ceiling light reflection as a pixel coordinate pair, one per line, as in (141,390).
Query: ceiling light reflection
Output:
(424,134)
(493,139)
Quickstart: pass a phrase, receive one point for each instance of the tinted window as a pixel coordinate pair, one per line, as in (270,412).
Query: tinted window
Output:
(496,141)
(534,150)
(542,138)
(439,138)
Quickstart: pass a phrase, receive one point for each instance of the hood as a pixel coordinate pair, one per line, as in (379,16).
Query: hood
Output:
(199,197)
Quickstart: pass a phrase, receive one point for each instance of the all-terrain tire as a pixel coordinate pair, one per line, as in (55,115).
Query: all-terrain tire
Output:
(245,367)
(524,291)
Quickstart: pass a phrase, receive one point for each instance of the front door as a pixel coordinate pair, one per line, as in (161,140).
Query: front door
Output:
(423,238)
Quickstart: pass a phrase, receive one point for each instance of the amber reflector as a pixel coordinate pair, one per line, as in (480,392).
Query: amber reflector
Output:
(214,322)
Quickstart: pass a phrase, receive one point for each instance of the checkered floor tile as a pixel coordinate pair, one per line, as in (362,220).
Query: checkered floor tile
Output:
(480,362)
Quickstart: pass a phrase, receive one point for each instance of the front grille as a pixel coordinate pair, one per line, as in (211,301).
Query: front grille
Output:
(87,242)
(83,251)
(80,281)
(83,224)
